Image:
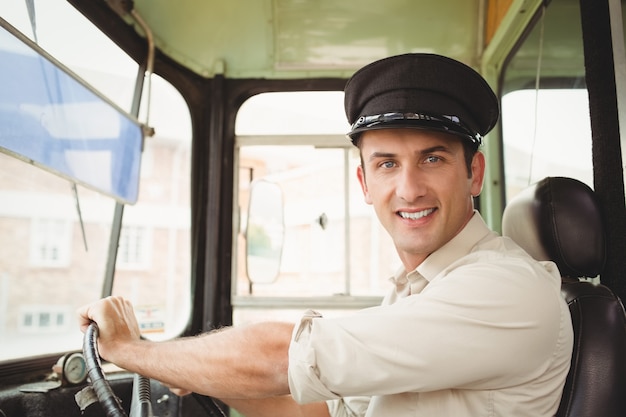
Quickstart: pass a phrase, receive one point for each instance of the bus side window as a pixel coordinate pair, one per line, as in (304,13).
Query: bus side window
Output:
(153,262)
(56,233)
(335,253)
(546,130)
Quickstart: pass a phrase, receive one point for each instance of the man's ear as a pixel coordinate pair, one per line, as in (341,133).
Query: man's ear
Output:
(478,173)
(360,174)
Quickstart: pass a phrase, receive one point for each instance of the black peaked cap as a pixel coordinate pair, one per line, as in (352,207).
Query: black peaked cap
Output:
(425,85)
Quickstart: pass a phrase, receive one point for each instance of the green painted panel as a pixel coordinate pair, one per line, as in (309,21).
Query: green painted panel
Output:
(296,38)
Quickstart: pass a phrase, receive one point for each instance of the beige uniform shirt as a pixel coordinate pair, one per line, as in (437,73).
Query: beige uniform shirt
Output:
(478,329)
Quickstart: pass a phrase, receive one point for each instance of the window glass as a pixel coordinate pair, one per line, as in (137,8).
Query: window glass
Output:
(50,263)
(55,235)
(134,251)
(63,32)
(153,267)
(335,253)
(51,242)
(534,143)
(545,110)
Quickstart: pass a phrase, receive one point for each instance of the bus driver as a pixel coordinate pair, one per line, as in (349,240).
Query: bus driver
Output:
(472,326)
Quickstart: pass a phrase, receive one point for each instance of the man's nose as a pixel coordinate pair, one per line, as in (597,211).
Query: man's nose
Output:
(410,185)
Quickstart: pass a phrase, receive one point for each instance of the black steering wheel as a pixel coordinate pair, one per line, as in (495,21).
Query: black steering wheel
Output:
(109,401)
(141,404)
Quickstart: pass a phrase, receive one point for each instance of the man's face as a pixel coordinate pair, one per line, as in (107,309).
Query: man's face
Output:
(418,183)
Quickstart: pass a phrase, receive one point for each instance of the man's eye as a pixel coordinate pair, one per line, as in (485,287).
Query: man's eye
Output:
(388,164)
(430,159)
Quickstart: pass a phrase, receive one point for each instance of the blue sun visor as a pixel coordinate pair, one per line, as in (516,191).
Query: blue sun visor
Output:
(52,119)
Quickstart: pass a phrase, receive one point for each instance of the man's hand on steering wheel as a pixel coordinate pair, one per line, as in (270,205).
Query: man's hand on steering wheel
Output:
(116,321)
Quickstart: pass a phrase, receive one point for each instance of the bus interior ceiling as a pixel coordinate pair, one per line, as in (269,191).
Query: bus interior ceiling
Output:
(278,39)
(289,39)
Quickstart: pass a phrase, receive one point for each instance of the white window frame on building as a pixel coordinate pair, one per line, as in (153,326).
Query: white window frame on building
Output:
(135,247)
(51,242)
(44,318)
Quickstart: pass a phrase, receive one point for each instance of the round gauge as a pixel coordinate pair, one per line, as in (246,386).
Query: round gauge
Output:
(74,368)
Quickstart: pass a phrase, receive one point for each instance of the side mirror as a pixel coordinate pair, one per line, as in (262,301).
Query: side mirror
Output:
(265,232)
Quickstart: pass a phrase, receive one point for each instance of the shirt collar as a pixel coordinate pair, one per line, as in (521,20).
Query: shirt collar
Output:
(460,245)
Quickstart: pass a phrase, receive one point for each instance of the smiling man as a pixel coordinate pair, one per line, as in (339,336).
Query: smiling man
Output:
(420,187)
(472,325)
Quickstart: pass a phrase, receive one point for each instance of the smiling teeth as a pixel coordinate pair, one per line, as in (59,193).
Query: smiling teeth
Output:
(417,215)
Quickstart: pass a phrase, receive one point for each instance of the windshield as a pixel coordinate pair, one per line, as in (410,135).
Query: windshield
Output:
(49,265)
(57,229)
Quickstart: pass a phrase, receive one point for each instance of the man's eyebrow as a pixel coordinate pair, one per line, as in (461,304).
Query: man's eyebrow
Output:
(375,155)
(425,151)
(438,148)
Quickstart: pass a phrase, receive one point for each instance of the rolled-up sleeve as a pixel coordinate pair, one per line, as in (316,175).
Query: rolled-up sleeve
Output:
(304,379)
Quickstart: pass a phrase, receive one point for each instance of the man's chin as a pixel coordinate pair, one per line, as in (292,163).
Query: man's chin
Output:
(415,247)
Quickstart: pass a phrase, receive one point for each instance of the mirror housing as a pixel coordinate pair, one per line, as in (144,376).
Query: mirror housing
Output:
(265,232)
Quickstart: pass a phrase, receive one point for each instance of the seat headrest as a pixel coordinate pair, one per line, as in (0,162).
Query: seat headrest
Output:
(559,219)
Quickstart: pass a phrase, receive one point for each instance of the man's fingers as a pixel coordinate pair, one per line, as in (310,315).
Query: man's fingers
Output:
(84,318)
(100,309)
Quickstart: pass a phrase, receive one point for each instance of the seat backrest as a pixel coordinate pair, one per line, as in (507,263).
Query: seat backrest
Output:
(559,219)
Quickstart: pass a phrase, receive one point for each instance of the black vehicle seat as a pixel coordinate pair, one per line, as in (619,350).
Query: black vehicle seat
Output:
(559,219)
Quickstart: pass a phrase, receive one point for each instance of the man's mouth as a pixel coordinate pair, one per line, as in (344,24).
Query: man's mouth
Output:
(415,215)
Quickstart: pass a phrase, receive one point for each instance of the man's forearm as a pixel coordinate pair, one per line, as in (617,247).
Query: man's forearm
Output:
(244,362)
